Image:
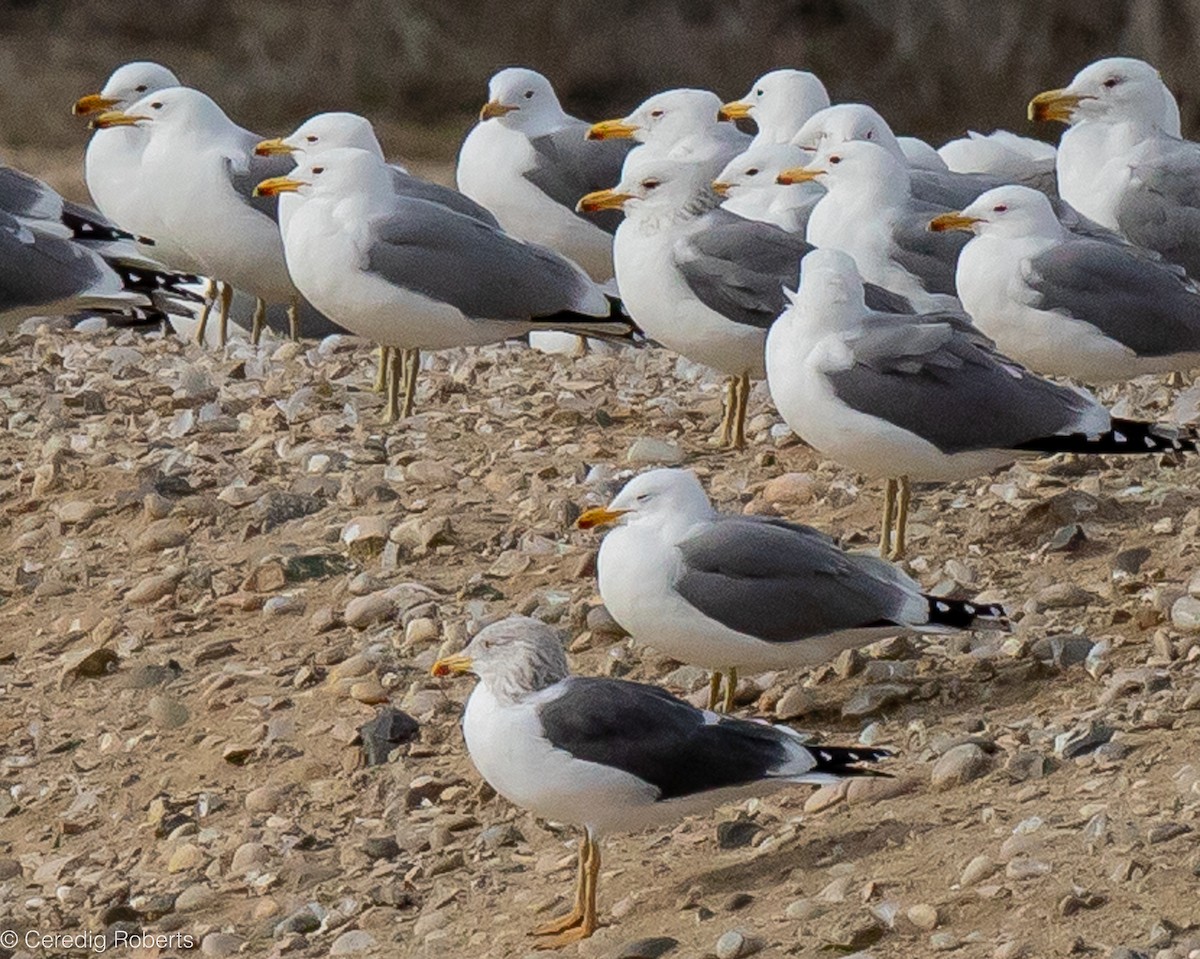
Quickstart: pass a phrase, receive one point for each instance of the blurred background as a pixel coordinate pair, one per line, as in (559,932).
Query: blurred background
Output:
(419,68)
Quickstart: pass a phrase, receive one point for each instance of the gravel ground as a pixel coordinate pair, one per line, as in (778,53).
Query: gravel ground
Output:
(218,568)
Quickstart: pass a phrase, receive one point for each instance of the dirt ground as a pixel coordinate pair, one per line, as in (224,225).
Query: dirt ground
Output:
(218,566)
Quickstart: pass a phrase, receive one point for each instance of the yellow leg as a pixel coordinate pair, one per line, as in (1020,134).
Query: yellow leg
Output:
(902,518)
(742,397)
(381,371)
(260,320)
(412,367)
(210,294)
(575,916)
(714,689)
(889,517)
(223,318)
(1175,380)
(293,315)
(392,410)
(731,681)
(586,924)
(725,437)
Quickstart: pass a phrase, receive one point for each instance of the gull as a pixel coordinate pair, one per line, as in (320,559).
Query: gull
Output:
(528,162)
(779,103)
(749,186)
(868,211)
(923,397)
(1066,305)
(1122,162)
(198,170)
(330,131)
(614,756)
(725,591)
(700,280)
(683,124)
(411,274)
(1000,153)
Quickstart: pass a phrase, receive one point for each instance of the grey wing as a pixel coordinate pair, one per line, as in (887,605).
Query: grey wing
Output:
(1148,306)
(245,174)
(567,165)
(1161,207)
(28,198)
(450,258)
(781,582)
(946,386)
(930,256)
(408,185)
(39,269)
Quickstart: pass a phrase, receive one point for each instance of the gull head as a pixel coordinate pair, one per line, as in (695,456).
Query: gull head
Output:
(757,168)
(664,120)
(1006,211)
(336,174)
(862,166)
(659,497)
(779,103)
(522,99)
(126,85)
(830,292)
(654,185)
(513,657)
(174,109)
(1111,90)
(844,123)
(325,131)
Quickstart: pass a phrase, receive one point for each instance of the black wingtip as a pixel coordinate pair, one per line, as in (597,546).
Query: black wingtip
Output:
(847,761)
(1126,437)
(964,614)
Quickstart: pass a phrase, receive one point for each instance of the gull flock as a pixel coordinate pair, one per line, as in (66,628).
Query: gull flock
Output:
(920,315)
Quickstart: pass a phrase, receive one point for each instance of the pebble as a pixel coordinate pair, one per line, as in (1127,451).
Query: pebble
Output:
(943,941)
(349,943)
(1063,595)
(195,898)
(1023,868)
(977,870)
(959,765)
(166,712)
(923,916)
(790,489)
(420,630)
(220,944)
(1185,614)
(736,944)
(804,909)
(185,857)
(248,856)
(653,948)
(264,799)
(649,451)
(161,534)
(795,702)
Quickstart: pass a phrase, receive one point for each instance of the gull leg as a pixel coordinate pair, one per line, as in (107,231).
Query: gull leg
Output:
(223,318)
(293,314)
(588,922)
(714,689)
(1175,380)
(381,371)
(742,394)
(575,916)
(726,433)
(392,409)
(902,518)
(412,367)
(730,689)
(889,515)
(210,295)
(260,320)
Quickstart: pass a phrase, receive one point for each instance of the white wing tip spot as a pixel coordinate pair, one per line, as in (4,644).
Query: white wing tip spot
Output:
(943,607)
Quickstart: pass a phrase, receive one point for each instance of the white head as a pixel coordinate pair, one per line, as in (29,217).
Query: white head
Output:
(126,85)
(779,103)
(512,658)
(845,122)
(1113,90)
(522,99)
(859,168)
(757,168)
(1008,212)
(326,131)
(655,185)
(830,293)
(336,174)
(663,497)
(173,109)
(668,118)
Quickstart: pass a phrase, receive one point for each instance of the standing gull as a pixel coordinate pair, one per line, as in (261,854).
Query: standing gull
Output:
(869,211)
(779,103)
(922,397)
(1122,162)
(614,756)
(702,281)
(528,161)
(724,591)
(1066,305)
(412,274)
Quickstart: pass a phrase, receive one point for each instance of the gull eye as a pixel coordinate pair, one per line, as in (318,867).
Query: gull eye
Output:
(651,184)
(157,105)
(311,138)
(758,92)
(140,88)
(835,159)
(656,113)
(643,497)
(1112,82)
(318,170)
(870,135)
(753,171)
(528,94)
(1000,208)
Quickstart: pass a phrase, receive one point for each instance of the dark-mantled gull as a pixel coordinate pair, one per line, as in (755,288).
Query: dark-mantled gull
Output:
(1066,305)
(748,185)
(702,281)
(613,756)
(1122,162)
(529,162)
(922,397)
(725,591)
(868,211)
(779,103)
(411,274)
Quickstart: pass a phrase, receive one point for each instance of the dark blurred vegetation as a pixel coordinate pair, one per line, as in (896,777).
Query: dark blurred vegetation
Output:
(419,67)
